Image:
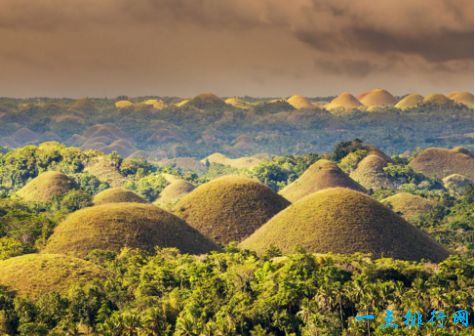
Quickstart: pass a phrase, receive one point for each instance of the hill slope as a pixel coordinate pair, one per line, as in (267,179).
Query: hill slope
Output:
(116,225)
(370,174)
(321,175)
(35,274)
(229,208)
(174,192)
(345,221)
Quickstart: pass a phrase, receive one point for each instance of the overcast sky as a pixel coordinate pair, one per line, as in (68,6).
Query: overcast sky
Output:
(78,48)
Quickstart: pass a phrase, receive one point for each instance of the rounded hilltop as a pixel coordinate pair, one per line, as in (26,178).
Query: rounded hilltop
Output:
(116,225)
(410,101)
(321,175)
(300,102)
(229,208)
(206,101)
(174,192)
(464,98)
(436,99)
(441,162)
(340,220)
(33,275)
(378,98)
(117,195)
(408,205)
(344,101)
(370,172)
(47,186)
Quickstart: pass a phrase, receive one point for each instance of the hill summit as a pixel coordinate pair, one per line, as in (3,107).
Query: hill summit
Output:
(46,186)
(229,208)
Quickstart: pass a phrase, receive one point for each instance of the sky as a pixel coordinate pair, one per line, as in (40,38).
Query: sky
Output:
(79,48)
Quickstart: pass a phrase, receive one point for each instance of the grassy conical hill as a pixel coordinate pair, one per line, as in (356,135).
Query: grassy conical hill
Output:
(33,275)
(344,101)
(441,162)
(370,173)
(206,101)
(341,220)
(120,104)
(174,192)
(116,225)
(408,205)
(378,98)
(321,175)
(157,104)
(436,99)
(105,170)
(300,102)
(464,98)
(46,186)
(409,101)
(117,195)
(229,208)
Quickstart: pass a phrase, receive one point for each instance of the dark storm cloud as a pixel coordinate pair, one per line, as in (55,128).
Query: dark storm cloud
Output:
(177,45)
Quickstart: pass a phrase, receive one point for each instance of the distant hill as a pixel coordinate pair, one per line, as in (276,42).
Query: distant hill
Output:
(117,195)
(321,175)
(46,186)
(441,162)
(408,205)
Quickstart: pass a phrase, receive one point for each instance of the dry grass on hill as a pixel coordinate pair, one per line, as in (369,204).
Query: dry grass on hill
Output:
(46,186)
(229,208)
(341,220)
(117,195)
(33,275)
(116,225)
(408,205)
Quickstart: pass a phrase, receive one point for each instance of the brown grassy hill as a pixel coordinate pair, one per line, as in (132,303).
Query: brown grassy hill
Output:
(116,225)
(436,99)
(341,220)
(321,175)
(300,102)
(409,101)
(109,131)
(464,98)
(103,168)
(185,163)
(117,195)
(370,174)
(206,101)
(344,101)
(46,186)
(408,205)
(378,98)
(229,208)
(441,162)
(456,183)
(174,192)
(32,275)
(463,150)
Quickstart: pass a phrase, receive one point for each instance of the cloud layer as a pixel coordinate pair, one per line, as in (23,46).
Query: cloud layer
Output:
(267,47)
